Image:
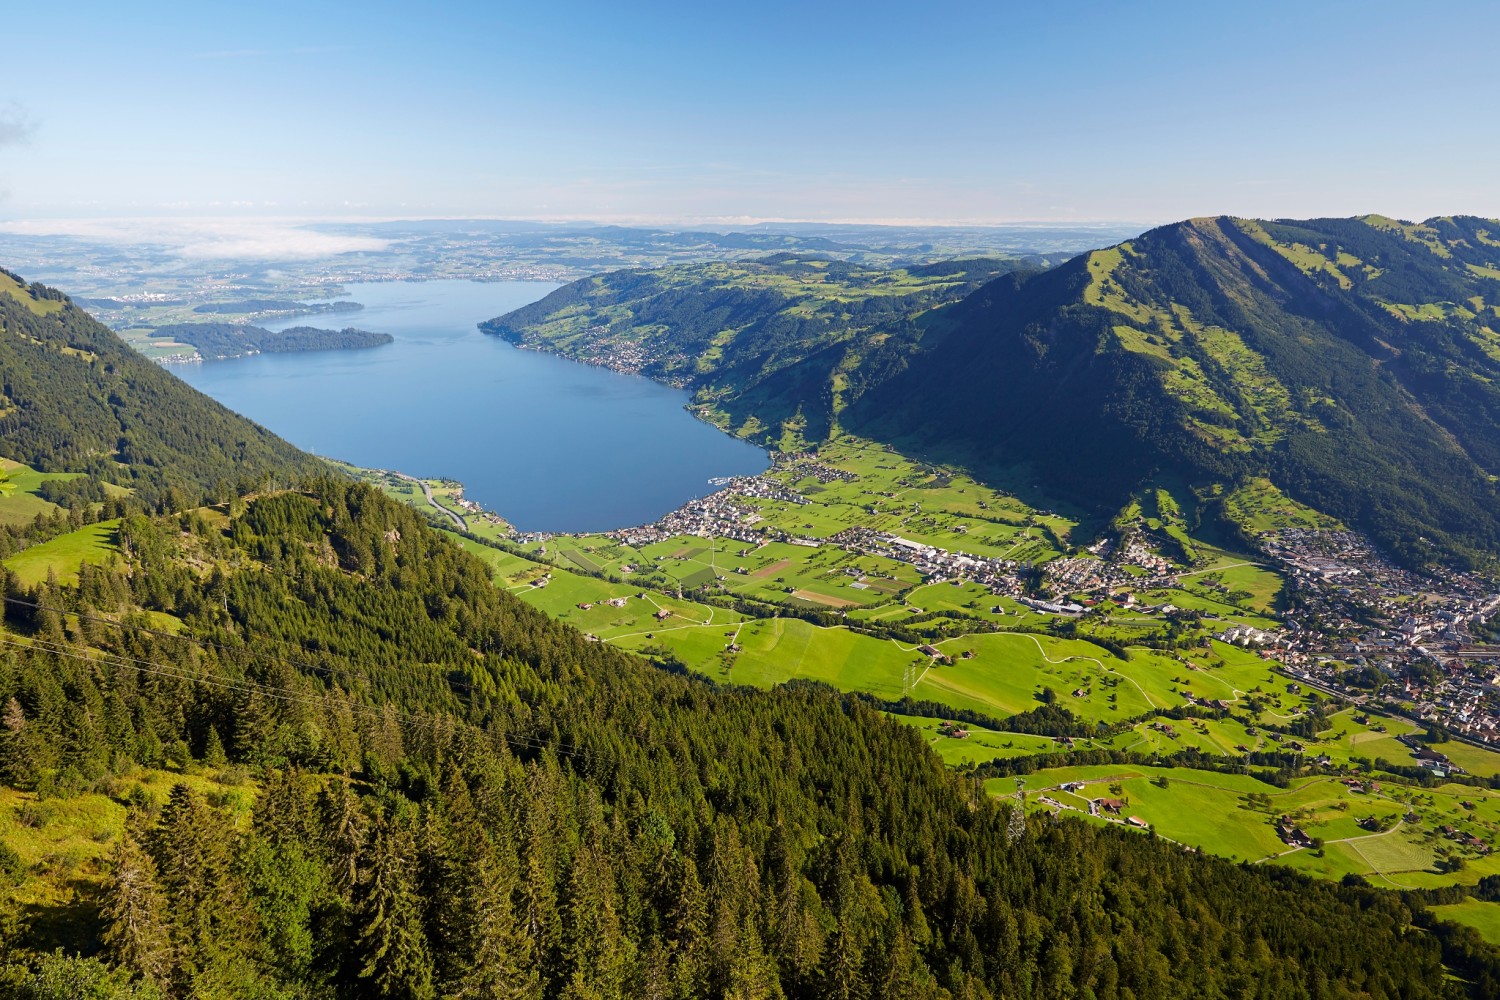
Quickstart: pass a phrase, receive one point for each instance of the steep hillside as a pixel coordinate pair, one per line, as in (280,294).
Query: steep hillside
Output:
(74,397)
(337,761)
(1353,361)
(775,348)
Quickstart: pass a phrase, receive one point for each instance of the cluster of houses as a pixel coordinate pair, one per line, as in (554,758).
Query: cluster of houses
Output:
(931,561)
(1083,574)
(1291,834)
(802,465)
(1245,635)
(725,513)
(1466,839)
(1110,808)
(599,347)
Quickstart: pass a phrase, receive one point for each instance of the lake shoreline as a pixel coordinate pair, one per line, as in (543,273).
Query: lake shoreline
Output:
(555,445)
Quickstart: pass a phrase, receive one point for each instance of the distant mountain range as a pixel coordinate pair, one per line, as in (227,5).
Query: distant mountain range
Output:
(1353,362)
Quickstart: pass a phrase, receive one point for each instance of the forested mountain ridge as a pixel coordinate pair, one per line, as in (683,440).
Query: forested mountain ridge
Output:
(75,398)
(774,347)
(1353,362)
(461,797)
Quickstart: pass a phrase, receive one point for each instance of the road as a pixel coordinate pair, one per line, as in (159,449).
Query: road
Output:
(427,491)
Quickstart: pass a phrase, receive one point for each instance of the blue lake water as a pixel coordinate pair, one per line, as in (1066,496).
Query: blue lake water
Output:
(552,445)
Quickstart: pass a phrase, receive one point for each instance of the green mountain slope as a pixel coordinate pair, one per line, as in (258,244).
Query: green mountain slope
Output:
(74,397)
(775,348)
(1353,362)
(444,792)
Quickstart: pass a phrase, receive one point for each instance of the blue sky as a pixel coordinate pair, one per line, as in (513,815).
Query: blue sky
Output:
(959,112)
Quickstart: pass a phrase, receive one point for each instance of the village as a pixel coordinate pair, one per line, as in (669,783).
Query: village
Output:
(1371,632)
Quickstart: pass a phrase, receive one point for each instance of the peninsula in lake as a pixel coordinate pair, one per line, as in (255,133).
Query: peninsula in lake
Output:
(220,341)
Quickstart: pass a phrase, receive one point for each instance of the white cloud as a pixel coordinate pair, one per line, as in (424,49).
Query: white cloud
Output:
(261,239)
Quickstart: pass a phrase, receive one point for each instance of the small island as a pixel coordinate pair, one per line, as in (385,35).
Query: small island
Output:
(220,341)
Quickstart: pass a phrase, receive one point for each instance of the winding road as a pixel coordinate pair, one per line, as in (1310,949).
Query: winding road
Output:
(427,491)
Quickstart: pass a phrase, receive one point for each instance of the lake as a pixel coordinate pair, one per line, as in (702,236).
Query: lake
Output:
(549,444)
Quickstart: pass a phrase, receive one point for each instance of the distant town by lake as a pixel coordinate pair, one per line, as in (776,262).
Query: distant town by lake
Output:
(549,444)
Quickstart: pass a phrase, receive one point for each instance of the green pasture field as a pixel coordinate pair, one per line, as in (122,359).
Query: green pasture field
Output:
(564,591)
(776,650)
(1004,676)
(966,598)
(19,503)
(1263,586)
(65,553)
(1208,603)
(980,745)
(825,576)
(1483,917)
(1234,816)
(1476,760)
(42,307)
(1261,507)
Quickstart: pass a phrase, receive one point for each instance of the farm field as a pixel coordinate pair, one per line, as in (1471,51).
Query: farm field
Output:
(1393,835)
(1482,916)
(19,503)
(979,745)
(64,554)
(564,592)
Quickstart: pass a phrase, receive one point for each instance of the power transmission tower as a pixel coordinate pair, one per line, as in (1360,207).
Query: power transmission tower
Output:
(1017,828)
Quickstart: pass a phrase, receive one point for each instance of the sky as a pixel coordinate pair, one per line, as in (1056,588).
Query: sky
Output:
(963,112)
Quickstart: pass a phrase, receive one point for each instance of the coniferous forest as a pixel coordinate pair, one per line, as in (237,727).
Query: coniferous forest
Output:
(456,796)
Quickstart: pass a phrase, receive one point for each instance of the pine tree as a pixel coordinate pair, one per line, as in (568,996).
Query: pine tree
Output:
(213,749)
(393,946)
(194,853)
(134,912)
(342,828)
(594,945)
(687,930)
(498,953)
(18,764)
